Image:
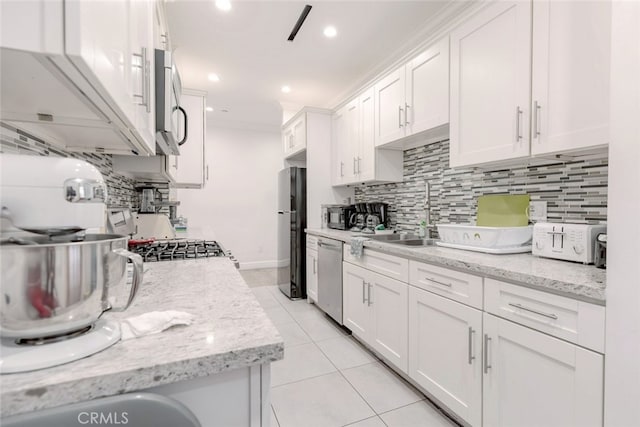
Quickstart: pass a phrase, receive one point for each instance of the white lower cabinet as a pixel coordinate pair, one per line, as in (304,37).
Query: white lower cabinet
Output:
(532,379)
(375,309)
(312,275)
(445,352)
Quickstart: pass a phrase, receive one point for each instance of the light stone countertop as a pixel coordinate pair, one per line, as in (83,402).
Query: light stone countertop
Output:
(573,280)
(231,331)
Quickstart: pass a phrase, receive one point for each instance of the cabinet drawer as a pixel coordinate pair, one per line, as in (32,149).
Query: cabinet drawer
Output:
(575,321)
(388,265)
(312,242)
(461,287)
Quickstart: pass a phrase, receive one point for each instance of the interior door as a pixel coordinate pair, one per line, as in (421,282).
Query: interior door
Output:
(490,78)
(445,352)
(284,230)
(570,86)
(532,379)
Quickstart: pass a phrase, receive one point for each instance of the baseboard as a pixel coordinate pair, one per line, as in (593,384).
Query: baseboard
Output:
(258,264)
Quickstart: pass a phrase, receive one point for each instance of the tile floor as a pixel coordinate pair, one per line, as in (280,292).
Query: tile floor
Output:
(327,378)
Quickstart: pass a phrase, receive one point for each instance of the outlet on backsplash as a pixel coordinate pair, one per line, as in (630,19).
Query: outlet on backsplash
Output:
(538,211)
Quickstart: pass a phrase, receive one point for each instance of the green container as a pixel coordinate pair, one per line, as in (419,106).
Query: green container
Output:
(503,210)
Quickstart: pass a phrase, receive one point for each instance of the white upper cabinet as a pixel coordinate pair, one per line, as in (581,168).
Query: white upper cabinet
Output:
(355,156)
(88,87)
(490,63)
(415,97)
(530,79)
(427,89)
(570,85)
(390,107)
(294,137)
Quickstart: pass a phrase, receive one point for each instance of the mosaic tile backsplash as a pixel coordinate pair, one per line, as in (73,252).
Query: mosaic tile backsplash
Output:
(121,189)
(574,191)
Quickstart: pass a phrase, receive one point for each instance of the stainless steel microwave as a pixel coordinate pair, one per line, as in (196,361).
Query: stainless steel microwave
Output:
(338,216)
(168,91)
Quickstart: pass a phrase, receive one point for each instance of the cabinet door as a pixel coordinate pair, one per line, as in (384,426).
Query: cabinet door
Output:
(352,142)
(97,41)
(356,313)
(532,379)
(191,170)
(300,134)
(427,89)
(142,69)
(390,108)
(312,275)
(490,75)
(338,146)
(388,300)
(367,149)
(570,86)
(445,343)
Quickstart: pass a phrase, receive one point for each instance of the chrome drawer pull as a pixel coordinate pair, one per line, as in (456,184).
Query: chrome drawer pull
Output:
(486,353)
(363,297)
(369,302)
(439,283)
(471,356)
(521,307)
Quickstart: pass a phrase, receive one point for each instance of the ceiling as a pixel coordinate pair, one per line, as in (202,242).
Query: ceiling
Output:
(248,48)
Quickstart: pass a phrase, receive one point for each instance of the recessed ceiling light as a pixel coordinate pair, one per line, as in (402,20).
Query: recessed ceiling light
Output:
(285,89)
(213,77)
(330,31)
(209,109)
(223,5)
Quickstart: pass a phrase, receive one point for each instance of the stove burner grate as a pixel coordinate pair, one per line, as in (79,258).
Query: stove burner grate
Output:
(170,250)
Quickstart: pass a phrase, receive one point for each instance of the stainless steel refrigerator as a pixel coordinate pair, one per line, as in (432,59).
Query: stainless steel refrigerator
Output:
(292,220)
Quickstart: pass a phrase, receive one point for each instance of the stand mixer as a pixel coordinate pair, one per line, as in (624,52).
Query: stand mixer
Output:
(56,279)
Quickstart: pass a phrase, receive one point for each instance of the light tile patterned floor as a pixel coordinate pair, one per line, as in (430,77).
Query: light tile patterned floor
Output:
(328,379)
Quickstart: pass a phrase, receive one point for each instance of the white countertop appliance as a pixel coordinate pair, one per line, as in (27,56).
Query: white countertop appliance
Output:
(565,241)
(56,279)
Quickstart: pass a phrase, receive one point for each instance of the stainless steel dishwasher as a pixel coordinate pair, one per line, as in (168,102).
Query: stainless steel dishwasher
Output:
(330,277)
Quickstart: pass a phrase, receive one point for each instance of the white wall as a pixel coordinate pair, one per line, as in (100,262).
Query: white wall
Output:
(237,207)
(622,361)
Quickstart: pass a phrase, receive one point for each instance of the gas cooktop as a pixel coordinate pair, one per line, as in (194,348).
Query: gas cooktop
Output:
(177,249)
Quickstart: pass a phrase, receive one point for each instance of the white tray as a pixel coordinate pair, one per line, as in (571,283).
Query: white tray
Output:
(495,251)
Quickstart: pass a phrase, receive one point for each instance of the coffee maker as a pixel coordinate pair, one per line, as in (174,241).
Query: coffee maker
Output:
(358,219)
(377,213)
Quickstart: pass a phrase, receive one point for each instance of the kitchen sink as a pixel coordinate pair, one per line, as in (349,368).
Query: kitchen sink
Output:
(396,237)
(414,242)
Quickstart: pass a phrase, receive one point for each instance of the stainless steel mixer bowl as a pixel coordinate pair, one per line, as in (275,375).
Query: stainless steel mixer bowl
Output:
(52,287)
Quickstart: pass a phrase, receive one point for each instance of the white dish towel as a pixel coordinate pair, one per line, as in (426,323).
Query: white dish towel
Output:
(153,323)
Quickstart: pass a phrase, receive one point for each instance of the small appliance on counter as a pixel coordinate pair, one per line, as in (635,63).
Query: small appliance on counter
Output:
(376,215)
(56,280)
(600,249)
(338,216)
(148,200)
(564,241)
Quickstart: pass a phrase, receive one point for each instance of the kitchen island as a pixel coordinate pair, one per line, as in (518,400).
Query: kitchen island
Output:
(219,362)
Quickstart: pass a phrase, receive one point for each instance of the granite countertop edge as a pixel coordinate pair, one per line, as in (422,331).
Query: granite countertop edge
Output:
(589,287)
(231,331)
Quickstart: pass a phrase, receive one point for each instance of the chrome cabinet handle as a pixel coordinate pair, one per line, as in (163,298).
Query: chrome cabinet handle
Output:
(438,282)
(314,266)
(471,356)
(518,114)
(486,353)
(406,113)
(354,166)
(364,299)
(369,300)
(536,119)
(144,67)
(207,172)
(341,168)
(540,313)
(359,171)
(399,116)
